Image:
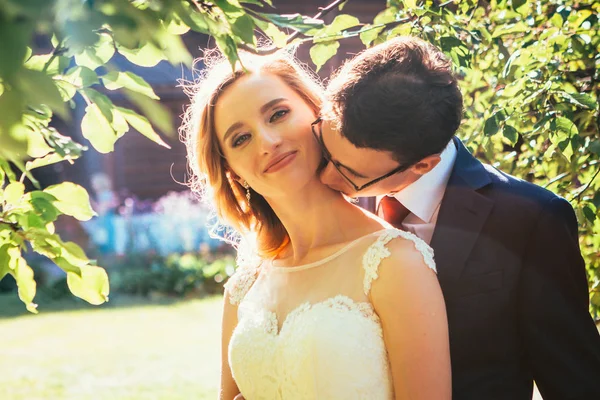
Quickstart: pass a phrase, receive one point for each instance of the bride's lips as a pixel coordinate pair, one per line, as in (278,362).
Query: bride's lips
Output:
(280,162)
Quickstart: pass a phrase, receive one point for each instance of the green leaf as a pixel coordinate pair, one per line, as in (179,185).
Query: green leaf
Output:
(174,50)
(595,299)
(518,27)
(279,38)
(457,50)
(4,260)
(66,266)
(102,101)
(97,55)
(37,146)
(119,123)
(388,15)
(30,220)
(511,134)
(595,147)
(81,77)
(92,286)
(156,112)
(564,126)
(74,255)
(98,130)
(243,27)
(6,168)
(579,17)
(13,193)
(369,33)
(228,48)
(492,124)
(39,62)
(14,38)
(175,26)
(341,23)
(557,20)
(49,159)
(23,274)
(589,210)
(44,208)
(582,100)
(518,3)
(321,52)
(296,22)
(256,2)
(66,89)
(231,8)
(63,145)
(41,89)
(142,125)
(146,56)
(72,199)
(115,80)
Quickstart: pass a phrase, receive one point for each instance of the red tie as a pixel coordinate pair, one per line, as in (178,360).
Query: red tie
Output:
(392,211)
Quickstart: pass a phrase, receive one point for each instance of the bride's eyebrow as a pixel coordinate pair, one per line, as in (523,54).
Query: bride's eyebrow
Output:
(271,103)
(231,129)
(263,109)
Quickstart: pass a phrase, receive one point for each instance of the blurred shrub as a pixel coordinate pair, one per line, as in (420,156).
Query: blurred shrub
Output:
(173,275)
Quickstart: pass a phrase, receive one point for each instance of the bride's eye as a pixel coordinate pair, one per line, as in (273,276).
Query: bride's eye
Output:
(240,140)
(278,114)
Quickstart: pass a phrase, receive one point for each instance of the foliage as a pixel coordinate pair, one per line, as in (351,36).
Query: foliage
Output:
(34,88)
(176,274)
(529,75)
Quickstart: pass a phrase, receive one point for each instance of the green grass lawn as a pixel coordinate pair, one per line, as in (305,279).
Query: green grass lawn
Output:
(127,349)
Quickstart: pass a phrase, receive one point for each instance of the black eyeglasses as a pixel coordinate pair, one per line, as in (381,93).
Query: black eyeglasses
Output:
(338,165)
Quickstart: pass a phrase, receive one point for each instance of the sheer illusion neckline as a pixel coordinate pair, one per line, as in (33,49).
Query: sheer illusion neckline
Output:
(321,261)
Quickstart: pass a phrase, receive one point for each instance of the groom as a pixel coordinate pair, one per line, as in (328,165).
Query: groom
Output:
(507,251)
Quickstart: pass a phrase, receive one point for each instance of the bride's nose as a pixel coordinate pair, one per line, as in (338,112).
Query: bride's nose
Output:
(269,139)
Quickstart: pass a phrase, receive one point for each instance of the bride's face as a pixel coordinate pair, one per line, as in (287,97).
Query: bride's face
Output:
(263,128)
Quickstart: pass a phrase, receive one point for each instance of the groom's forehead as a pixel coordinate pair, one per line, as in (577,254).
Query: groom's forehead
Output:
(342,150)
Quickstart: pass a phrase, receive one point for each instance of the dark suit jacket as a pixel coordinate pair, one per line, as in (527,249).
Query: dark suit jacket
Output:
(516,293)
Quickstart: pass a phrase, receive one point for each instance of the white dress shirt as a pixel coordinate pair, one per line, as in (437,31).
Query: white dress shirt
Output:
(424,196)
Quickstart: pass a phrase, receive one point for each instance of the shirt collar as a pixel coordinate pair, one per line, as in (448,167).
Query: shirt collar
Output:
(423,196)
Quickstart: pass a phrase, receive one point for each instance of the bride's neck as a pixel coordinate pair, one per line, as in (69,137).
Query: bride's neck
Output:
(315,216)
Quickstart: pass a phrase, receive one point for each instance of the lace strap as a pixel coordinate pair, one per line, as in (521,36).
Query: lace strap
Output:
(240,283)
(378,251)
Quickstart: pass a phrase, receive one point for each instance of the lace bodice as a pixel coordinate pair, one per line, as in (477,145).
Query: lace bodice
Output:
(310,331)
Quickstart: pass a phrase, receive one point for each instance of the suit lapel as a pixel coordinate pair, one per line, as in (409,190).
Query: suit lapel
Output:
(462,215)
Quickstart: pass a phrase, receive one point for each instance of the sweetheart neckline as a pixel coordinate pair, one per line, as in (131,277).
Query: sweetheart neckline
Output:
(344,300)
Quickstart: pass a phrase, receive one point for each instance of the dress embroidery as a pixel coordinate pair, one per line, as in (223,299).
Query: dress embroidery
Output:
(377,252)
(329,349)
(240,282)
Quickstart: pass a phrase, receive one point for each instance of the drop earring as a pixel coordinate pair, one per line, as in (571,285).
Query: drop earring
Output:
(247,187)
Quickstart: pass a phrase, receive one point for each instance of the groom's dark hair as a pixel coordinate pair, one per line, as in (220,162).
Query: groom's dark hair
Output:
(400,96)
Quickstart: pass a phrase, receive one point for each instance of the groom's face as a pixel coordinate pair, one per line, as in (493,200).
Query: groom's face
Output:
(350,167)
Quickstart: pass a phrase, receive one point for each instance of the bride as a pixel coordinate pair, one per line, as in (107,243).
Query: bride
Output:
(338,304)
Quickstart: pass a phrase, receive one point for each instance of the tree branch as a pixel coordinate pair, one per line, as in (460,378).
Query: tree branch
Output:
(272,49)
(587,186)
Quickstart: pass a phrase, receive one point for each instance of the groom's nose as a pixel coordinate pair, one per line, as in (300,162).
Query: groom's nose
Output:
(331,177)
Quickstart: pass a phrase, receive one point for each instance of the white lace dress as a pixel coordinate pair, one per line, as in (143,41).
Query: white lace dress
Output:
(310,331)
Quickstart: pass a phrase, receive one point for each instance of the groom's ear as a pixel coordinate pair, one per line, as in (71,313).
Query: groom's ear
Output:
(426,164)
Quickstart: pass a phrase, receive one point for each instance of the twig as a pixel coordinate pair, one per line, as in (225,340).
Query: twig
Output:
(348,34)
(272,49)
(13,225)
(58,50)
(587,186)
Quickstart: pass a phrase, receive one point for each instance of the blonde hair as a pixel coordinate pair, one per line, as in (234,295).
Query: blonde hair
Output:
(210,176)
